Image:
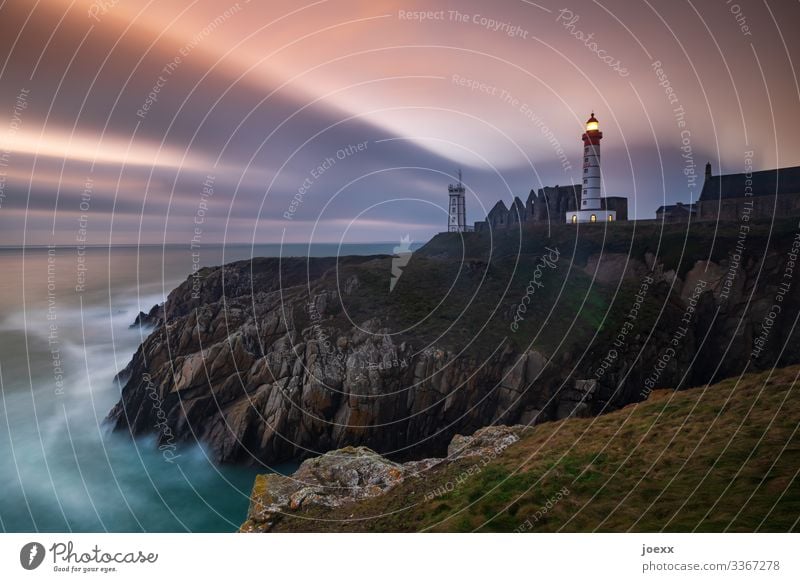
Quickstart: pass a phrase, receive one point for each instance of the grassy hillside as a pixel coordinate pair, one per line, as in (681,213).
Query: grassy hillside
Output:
(722,458)
(477,279)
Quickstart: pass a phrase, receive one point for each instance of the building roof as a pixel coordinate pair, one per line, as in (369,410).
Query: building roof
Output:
(677,208)
(765,183)
(517,210)
(569,190)
(499,207)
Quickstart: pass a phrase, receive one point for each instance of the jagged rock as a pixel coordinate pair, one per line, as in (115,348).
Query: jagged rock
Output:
(331,480)
(612,267)
(151,319)
(351,284)
(702,271)
(486,441)
(530,416)
(576,402)
(355,473)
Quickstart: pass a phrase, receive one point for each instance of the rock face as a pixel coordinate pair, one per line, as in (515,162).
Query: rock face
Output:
(153,318)
(577,401)
(272,375)
(355,473)
(487,441)
(273,360)
(711,322)
(335,478)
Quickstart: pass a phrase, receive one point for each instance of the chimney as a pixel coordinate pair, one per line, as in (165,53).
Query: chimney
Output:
(708,171)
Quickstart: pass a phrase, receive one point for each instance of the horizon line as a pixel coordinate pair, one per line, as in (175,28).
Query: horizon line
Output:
(189,246)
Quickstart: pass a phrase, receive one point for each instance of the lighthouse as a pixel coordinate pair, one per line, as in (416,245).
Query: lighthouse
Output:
(590,194)
(457,221)
(591,204)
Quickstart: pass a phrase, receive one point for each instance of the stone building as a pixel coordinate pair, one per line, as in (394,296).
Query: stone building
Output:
(564,204)
(679,212)
(548,204)
(765,194)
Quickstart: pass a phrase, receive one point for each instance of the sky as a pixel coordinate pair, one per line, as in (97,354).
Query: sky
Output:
(173,121)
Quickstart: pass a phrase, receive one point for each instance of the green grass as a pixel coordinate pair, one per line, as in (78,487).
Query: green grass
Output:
(469,305)
(722,458)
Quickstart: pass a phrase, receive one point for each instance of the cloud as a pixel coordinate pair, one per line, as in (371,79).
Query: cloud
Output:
(148,101)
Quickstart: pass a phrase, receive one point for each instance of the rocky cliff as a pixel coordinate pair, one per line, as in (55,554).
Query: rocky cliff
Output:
(722,458)
(353,474)
(270,360)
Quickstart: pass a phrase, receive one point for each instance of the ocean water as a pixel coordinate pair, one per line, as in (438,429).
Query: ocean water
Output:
(64,334)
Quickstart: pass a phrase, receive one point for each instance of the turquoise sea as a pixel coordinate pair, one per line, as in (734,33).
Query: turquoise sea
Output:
(64,334)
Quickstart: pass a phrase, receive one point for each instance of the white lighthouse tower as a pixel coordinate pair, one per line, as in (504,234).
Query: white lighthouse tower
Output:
(457,221)
(591,206)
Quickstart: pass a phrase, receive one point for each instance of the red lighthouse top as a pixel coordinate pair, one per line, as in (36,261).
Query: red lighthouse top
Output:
(592,124)
(593,134)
